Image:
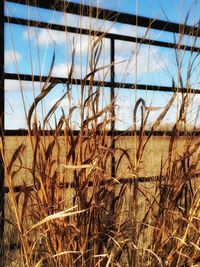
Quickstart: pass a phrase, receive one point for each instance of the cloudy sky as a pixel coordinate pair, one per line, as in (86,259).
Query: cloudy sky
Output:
(29,50)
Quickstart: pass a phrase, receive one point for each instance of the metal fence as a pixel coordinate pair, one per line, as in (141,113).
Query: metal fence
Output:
(104,14)
(107,15)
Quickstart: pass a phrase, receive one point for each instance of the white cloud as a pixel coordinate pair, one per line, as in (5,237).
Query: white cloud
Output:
(125,102)
(44,36)
(14,112)
(63,69)
(15,121)
(65,103)
(85,22)
(100,25)
(15,85)
(148,60)
(128,30)
(12,57)
(82,44)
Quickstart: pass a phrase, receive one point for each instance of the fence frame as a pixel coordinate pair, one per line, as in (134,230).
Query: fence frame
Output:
(107,15)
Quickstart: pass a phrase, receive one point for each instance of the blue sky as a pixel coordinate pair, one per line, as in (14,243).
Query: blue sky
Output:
(175,10)
(30,51)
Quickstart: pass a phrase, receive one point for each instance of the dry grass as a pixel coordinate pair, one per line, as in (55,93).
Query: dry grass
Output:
(110,223)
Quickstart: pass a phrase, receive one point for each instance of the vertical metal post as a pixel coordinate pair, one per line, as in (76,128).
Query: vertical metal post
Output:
(112,98)
(1,128)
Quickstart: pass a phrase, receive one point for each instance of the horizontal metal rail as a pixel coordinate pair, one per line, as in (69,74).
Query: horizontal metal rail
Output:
(117,85)
(110,15)
(121,181)
(62,28)
(117,133)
